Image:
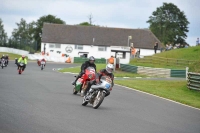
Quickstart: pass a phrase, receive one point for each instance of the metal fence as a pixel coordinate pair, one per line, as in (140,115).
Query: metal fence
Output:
(193,81)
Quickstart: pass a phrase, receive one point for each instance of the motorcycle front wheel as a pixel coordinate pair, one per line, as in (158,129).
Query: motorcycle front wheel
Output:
(98,100)
(84,103)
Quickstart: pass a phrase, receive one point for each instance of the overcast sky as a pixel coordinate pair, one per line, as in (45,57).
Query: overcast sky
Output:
(110,13)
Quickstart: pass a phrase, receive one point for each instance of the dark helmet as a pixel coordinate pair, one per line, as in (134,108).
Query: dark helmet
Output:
(91,59)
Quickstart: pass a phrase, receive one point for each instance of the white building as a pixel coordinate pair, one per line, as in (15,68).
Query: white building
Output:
(100,42)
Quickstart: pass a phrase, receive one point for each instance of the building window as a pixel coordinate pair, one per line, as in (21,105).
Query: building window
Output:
(101,48)
(54,45)
(57,45)
(80,47)
(51,46)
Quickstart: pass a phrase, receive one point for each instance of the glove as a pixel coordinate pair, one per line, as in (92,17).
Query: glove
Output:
(97,81)
(82,72)
(111,89)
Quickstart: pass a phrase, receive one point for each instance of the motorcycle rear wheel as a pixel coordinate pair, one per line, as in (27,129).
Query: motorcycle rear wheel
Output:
(74,91)
(98,100)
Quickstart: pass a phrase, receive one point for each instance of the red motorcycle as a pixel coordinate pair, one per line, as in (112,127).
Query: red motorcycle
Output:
(82,82)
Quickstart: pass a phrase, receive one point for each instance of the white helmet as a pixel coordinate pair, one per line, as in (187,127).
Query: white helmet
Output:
(109,68)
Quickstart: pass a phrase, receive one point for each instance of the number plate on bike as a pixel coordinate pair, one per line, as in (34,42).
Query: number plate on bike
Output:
(107,86)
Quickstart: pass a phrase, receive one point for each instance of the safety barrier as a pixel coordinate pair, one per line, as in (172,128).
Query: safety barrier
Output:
(82,60)
(149,71)
(128,68)
(193,81)
(178,73)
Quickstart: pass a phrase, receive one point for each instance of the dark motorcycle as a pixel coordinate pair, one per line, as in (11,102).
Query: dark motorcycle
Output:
(3,63)
(21,66)
(16,61)
(96,94)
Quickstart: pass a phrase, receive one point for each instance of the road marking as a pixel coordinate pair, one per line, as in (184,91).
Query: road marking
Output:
(158,96)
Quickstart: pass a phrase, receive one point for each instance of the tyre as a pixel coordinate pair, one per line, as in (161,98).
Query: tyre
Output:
(84,103)
(98,100)
(74,91)
(42,67)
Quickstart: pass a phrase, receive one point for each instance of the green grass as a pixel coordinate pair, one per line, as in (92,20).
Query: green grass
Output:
(174,90)
(117,73)
(191,53)
(195,67)
(11,56)
(187,54)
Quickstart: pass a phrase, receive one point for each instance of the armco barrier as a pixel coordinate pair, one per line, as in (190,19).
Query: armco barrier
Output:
(82,60)
(128,68)
(193,81)
(159,72)
(178,73)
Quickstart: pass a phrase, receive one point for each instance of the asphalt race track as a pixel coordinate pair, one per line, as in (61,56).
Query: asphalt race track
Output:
(42,102)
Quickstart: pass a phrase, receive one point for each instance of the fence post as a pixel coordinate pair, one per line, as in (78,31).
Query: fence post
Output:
(187,68)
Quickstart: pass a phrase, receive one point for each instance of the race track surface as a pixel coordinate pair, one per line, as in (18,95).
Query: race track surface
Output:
(42,102)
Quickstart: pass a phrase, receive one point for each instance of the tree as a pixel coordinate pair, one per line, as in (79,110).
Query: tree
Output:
(39,25)
(23,34)
(3,34)
(85,24)
(169,24)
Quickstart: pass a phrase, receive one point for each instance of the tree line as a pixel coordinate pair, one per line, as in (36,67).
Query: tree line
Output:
(168,23)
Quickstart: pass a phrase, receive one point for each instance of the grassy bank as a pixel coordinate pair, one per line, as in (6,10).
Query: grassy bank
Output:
(161,60)
(174,90)
(11,56)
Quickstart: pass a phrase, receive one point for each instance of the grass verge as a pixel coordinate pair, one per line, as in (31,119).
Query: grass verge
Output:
(174,90)
(11,55)
(117,73)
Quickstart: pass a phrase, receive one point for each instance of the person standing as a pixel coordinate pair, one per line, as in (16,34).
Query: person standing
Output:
(133,52)
(111,60)
(197,42)
(155,47)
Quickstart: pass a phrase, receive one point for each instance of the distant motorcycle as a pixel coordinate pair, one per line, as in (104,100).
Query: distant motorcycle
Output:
(21,66)
(96,94)
(42,64)
(3,63)
(16,61)
(82,82)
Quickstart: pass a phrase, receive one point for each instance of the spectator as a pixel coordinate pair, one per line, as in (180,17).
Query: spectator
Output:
(167,46)
(155,47)
(197,42)
(133,52)
(111,60)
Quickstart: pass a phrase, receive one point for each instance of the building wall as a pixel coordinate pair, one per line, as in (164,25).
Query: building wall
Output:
(92,51)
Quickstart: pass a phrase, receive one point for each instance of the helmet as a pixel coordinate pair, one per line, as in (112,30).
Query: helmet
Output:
(23,56)
(91,59)
(109,68)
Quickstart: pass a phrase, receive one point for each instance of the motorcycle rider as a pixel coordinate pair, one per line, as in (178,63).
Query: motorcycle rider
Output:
(89,63)
(7,59)
(108,71)
(39,61)
(22,60)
